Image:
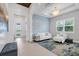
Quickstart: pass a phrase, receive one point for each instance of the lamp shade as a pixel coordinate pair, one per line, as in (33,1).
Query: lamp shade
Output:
(56,12)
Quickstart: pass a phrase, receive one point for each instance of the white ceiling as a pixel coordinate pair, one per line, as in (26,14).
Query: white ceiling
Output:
(45,9)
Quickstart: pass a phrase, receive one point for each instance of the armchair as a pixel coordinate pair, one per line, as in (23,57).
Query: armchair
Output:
(60,37)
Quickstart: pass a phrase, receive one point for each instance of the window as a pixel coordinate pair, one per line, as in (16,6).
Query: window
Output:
(59,25)
(69,25)
(3,26)
(66,25)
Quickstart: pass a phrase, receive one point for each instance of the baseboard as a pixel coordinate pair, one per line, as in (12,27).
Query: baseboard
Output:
(76,41)
(41,40)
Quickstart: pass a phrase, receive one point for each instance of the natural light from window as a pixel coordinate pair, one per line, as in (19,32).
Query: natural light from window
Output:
(66,25)
(3,27)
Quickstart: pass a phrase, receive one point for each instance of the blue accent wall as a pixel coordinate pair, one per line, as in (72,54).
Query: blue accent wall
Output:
(40,24)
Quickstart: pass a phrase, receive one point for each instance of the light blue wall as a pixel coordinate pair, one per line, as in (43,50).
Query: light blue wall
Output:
(40,24)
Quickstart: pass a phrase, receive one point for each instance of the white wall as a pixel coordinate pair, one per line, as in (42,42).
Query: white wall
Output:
(13,9)
(29,31)
(20,10)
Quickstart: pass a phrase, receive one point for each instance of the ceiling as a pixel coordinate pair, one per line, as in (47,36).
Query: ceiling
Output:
(25,4)
(45,9)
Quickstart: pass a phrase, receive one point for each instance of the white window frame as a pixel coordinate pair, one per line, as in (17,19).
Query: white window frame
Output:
(57,26)
(67,25)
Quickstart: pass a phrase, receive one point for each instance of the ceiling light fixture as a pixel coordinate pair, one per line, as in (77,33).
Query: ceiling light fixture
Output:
(56,11)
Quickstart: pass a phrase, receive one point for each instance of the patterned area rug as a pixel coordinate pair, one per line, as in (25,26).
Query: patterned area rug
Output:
(61,49)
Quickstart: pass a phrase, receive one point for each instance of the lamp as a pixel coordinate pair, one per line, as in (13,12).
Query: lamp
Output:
(56,11)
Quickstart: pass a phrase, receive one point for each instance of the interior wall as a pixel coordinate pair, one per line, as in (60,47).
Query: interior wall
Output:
(75,14)
(5,36)
(13,9)
(29,26)
(40,24)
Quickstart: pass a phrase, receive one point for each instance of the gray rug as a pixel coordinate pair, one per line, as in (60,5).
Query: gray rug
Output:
(66,49)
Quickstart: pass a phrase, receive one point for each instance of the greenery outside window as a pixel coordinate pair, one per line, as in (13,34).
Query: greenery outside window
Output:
(66,25)
(59,25)
(69,25)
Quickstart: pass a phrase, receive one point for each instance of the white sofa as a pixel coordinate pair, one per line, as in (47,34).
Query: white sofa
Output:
(60,37)
(43,36)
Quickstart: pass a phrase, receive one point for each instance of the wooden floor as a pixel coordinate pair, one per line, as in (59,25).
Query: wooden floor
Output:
(31,49)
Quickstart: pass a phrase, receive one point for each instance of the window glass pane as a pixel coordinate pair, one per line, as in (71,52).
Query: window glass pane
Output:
(69,28)
(59,28)
(69,22)
(65,25)
(3,26)
(59,23)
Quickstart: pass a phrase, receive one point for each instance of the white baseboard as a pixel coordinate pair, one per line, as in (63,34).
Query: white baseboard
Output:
(76,41)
